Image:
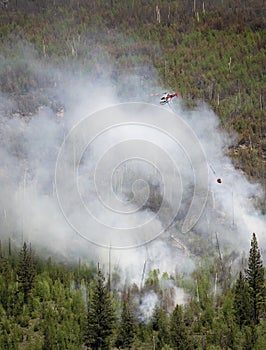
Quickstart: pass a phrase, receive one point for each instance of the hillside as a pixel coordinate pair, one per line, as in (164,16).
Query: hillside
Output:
(61,60)
(210,50)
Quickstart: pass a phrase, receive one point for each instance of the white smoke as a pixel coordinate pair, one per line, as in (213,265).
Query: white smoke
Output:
(29,149)
(234,215)
(148,303)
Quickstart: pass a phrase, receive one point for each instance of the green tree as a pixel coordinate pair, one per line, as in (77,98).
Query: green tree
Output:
(255,279)
(49,332)
(250,338)
(26,272)
(100,315)
(179,337)
(127,327)
(160,325)
(224,330)
(5,280)
(242,305)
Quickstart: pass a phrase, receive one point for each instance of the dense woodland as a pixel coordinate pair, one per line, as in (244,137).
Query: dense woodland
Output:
(47,305)
(212,51)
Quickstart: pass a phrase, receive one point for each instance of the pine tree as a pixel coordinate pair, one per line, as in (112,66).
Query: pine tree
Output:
(255,279)
(49,334)
(25,272)
(179,337)
(6,273)
(127,328)
(242,306)
(160,325)
(250,338)
(100,315)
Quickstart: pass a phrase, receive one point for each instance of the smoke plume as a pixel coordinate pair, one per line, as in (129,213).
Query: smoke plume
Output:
(30,147)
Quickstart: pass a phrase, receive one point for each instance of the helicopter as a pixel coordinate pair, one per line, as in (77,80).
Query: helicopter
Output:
(166,97)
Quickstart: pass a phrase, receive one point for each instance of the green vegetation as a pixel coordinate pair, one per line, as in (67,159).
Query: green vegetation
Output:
(210,50)
(255,279)
(62,306)
(100,323)
(128,323)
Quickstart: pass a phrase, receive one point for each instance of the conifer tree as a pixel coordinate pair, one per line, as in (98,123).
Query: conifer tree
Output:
(242,306)
(100,315)
(26,272)
(5,272)
(160,324)
(179,338)
(49,334)
(127,328)
(255,279)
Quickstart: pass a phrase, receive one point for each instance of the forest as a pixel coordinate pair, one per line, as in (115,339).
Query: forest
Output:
(213,52)
(50,305)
